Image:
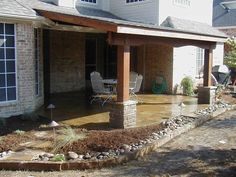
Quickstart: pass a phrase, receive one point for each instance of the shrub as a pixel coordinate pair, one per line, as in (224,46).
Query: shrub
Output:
(31,116)
(187,85)
(58,158)
(230,56)
(19,132)
(2,122)
(66,137)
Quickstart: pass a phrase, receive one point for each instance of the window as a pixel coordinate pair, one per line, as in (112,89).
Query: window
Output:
(183,3)
(131,1)
(37,56)
(90,1)
(199,60)
(7,63)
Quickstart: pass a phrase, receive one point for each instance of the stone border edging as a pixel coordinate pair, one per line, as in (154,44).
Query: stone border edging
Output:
(92,164)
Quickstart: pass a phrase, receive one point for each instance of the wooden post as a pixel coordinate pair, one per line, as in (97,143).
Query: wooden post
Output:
(123,70)
(207,67)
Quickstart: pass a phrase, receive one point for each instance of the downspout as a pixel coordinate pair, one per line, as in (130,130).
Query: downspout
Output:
(144,67)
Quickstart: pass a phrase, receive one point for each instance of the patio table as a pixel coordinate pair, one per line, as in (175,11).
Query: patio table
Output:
(111,83)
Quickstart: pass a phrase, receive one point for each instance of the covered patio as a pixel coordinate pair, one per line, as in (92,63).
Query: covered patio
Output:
(124,36)
(74,109)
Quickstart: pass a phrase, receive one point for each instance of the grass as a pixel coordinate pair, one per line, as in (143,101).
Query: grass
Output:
(66,137)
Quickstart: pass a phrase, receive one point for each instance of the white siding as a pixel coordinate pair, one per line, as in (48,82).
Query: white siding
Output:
(199,10)
(184,63)
(146,11)
(218,55)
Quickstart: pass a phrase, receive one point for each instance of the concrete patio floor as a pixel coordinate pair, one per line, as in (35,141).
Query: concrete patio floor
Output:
(74,109)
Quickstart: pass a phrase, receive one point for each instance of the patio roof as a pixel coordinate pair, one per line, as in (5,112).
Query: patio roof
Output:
(102,20)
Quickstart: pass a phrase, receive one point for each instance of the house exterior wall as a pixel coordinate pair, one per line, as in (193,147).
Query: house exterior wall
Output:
(188,10)
(146,11)
(218,54)
(27,101)
(67,61)
(158,60)
(184,64)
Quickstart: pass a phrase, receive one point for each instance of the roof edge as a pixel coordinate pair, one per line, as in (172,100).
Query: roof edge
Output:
(169,33)
(21,17)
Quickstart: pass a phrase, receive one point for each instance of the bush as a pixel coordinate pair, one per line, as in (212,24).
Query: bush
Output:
(187,85)
(230,56)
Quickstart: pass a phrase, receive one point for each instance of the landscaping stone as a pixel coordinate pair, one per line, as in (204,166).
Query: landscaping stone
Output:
(80,157)
(87,156)
(48,155)
(173,127)
(72,155)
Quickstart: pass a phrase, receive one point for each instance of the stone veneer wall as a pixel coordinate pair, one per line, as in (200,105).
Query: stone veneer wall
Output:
(67,61)
(157,59)
(27,100)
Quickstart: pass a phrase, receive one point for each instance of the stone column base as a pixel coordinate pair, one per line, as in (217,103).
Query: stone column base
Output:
(206,95)
(123,114)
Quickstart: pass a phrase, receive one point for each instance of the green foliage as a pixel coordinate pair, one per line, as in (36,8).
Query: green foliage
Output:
(66,137)
(219,91)
(19,132)
(58,158)
(187,85)
(32,116)
(2,122)
(230,56)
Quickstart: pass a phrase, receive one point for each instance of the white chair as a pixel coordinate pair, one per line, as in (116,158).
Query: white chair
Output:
(135,85)
(100,91)
(132,82)
(138,83)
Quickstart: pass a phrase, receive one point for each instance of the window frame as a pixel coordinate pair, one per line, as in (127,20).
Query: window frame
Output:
(5,61)
(87,2)
(185,5)
(130,2)
(200,53)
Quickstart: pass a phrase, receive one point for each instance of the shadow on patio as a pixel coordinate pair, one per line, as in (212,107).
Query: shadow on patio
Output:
(74,109)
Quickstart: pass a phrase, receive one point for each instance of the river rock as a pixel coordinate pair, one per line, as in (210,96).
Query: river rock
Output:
(72,155)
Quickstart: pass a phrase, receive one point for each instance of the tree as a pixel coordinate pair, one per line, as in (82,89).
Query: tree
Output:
(230,56)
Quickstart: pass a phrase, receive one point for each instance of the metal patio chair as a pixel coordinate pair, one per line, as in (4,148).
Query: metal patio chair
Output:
(135,85)
(101,93)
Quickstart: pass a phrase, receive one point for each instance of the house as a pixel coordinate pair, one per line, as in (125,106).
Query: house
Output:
(224,14)
(51,46)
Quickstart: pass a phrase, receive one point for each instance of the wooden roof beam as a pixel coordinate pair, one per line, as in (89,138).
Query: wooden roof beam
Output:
(137,40)
(81,21)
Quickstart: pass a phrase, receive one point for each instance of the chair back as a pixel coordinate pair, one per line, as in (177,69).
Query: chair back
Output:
(133,79)
(96,81)
(138,83)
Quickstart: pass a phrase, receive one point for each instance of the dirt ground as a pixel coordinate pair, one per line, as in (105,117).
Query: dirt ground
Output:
(207,151)
(95,141)
(11,135)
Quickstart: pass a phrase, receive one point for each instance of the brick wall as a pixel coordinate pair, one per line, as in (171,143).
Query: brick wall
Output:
(157,59)
(27,100)
(67,61)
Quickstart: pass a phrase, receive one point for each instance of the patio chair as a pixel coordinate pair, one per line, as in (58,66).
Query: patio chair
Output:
(99,90)
(133,84)
(136,88)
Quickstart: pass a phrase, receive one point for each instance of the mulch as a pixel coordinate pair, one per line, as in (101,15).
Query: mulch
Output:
(96,140)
